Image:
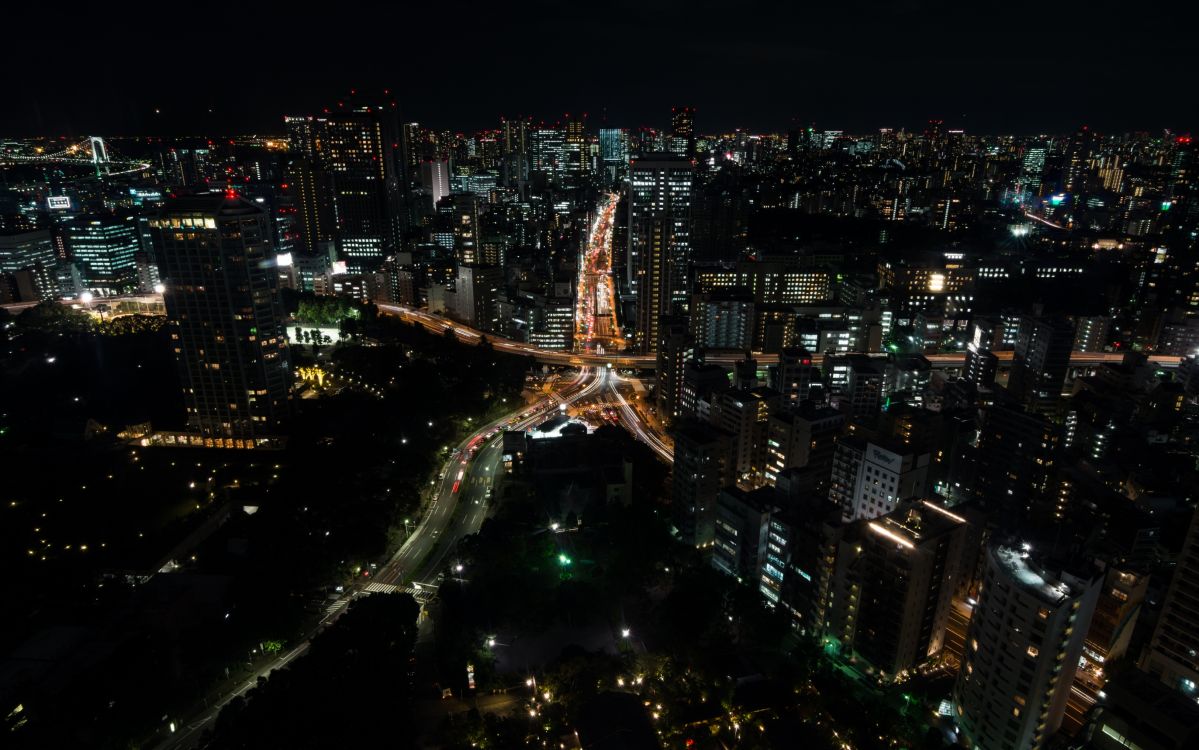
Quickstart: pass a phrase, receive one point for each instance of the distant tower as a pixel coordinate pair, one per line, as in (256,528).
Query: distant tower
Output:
(682,131)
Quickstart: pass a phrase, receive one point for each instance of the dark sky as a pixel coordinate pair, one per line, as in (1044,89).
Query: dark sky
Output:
(857,65)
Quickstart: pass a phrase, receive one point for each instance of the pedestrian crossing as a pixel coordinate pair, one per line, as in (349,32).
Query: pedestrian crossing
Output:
(381,588)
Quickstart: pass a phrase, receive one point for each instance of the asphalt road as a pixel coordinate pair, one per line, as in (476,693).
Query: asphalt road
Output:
(440,324)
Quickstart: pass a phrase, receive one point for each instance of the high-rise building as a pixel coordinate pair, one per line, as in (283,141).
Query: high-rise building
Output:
(870,479)
(856,382)
(465,221)
(723,319)
(105,246)
(794,375)
(1042,359)
(614,151)
(1017,455)
(27,264)
(475,294)
(682,131)
(1173,655)
(769,282)
(1091,333)
(225,317)
(435,180)
(701,464)
(700,381)
(312,191)
(1022,649)
(803,437)
(744,414)
(357,150)
(741,528)
(659,247)
(547,152)
(981,362)
(907,570)
(676,349)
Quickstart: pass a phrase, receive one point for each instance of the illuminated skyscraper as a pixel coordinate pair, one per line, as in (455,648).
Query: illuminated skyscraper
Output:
(310,186)
(435,179)
(357,151)
(224,316)
(614,148)
(547,147)
(659,248)
(104,247)
(682,131)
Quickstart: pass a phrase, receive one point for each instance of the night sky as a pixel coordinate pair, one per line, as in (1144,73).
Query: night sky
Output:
(1009,67)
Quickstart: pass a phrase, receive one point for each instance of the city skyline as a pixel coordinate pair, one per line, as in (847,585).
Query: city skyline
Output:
(870,426)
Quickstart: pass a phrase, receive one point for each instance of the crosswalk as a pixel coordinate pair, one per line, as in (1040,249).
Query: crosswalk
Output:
(423,594)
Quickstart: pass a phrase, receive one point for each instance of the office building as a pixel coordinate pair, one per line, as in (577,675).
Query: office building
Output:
(722,319)
(464,218)
(435,180)
(312,191)
(870,479)
(614,152)
(1022,650)
(856,383)
(803,437)
(105,246)
(769,282)
(547,152)
(357,152)
(476,291)
(659,247)
(28,264)
(682,131)
(224,316)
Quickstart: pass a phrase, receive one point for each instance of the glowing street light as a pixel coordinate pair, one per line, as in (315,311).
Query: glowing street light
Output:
(625,632)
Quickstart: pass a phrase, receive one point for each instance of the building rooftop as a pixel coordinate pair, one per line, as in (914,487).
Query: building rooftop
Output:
(911,524)
(1018,566)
